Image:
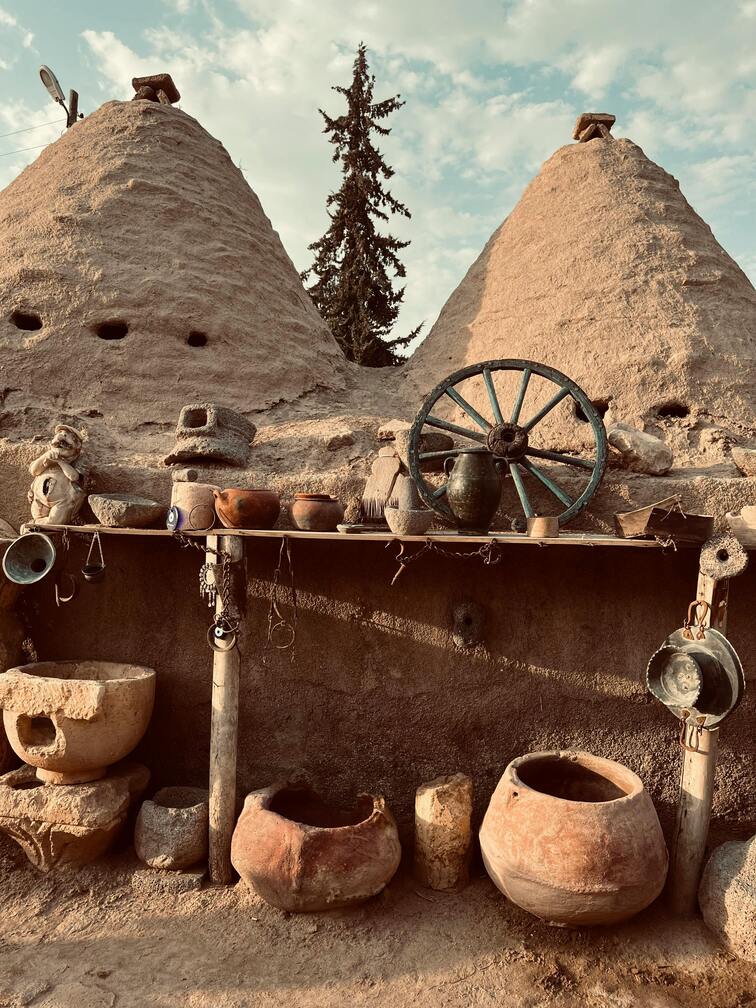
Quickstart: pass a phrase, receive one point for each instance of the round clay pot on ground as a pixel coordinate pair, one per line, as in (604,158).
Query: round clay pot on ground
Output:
(302,854)
(247,509)
(316,512)
(171,828)
(574,839)
(72,720)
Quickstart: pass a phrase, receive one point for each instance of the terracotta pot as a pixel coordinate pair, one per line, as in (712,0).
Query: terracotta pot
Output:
(247,509)
(474,489)
(72,720)
(316,512)
(574,839)
(301,854)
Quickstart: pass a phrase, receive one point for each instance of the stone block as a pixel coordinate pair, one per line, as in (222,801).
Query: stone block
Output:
(727,896)
(67,824)
(443,837)
(640,452)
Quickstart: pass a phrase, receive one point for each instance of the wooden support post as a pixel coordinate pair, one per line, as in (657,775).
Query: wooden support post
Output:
(223,738)
(696,781)
(73,108)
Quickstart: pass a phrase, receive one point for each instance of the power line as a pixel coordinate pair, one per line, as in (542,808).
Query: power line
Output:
(20,149)
(28,128)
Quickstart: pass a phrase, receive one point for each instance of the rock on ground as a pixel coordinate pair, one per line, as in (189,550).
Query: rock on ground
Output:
(727,896)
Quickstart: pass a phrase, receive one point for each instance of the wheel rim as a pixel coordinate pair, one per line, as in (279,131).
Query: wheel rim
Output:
(501,430)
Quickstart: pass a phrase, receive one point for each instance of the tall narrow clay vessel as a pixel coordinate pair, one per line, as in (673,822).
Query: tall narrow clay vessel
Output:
(474,489)
(574,839)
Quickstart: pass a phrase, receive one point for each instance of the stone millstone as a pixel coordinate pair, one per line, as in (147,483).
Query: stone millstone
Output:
(67,824)
(727,896)
(443,809)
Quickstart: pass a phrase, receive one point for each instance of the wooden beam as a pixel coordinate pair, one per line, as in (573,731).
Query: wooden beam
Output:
(696,780)
(224,724)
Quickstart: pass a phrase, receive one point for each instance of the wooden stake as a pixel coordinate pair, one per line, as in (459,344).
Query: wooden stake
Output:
(696,781)
(223,740)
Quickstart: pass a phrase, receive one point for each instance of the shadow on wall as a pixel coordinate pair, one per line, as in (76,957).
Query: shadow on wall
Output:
(376,696)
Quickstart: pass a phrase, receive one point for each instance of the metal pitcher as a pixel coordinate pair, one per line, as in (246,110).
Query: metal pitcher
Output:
(474,488)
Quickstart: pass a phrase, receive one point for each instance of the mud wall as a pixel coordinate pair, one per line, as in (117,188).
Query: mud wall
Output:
(376,695)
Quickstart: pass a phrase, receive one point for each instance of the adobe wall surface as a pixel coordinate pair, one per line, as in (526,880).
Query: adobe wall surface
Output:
(376,695)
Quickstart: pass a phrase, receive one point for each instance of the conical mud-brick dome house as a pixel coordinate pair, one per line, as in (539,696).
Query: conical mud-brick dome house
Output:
(138,272)
(605,272)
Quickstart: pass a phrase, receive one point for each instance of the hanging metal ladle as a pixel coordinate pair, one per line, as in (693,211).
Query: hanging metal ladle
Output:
(93,571)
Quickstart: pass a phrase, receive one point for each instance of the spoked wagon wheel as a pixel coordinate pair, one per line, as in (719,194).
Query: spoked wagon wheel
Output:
(505,428)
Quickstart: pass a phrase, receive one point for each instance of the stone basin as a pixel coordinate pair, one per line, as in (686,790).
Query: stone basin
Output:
(73,719)
(118,510)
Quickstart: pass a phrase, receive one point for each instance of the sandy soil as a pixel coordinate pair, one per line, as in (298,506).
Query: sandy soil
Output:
(89,939)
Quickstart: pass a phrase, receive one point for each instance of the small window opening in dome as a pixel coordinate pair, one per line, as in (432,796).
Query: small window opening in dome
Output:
(195,418)
(672,409)
(600,405)
(112,330)
(29,321)
(196,338)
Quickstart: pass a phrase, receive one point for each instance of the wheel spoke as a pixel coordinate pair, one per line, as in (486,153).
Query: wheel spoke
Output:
(449,453)
(547,482)
(470,410)
(521,395)
(552,456)
(555,400)
(454,429)
(522,493)
(439,491)
(492,396)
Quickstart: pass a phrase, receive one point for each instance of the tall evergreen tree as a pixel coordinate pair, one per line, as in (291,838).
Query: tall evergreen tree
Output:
(352,287)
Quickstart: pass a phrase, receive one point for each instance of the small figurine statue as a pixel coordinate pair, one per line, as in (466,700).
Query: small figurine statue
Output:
(57,491)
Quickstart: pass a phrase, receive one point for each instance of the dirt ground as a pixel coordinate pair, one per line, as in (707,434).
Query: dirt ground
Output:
(92,939)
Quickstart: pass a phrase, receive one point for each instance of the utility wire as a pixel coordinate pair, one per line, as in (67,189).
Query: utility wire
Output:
(20,149)
(28,128)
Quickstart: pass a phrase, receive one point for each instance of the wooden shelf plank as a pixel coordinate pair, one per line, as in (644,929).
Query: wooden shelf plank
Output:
(503,538)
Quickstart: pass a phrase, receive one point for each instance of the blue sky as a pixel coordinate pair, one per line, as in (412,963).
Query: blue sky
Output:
(492,89)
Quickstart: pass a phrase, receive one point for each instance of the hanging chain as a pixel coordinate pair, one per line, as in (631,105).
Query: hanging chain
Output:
(488,552)
(278,625)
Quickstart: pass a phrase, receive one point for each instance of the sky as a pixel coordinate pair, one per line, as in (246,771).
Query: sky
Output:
(492,88)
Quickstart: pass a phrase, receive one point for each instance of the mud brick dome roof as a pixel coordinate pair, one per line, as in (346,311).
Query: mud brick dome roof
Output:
(604,271)
(138,272)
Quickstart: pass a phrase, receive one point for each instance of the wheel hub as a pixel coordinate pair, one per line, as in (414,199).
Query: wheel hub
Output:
(508,441)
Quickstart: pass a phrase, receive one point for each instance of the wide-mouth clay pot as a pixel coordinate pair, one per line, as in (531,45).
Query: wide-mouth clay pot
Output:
(574,839)
(171,828)
(408,523)
(316,512)
(300,853)
(247,509)
(73,719)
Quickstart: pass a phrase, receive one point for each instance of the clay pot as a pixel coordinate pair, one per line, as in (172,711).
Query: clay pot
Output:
(474,489)
(72,720)
(247,509)
(573,839)
(171,828)
(301,854)
(316,512)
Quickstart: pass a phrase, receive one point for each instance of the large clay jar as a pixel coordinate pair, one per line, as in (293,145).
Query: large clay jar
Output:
(247,509)
(574,839)
(72,720)
(301,854)
(474,489)
(316,512)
